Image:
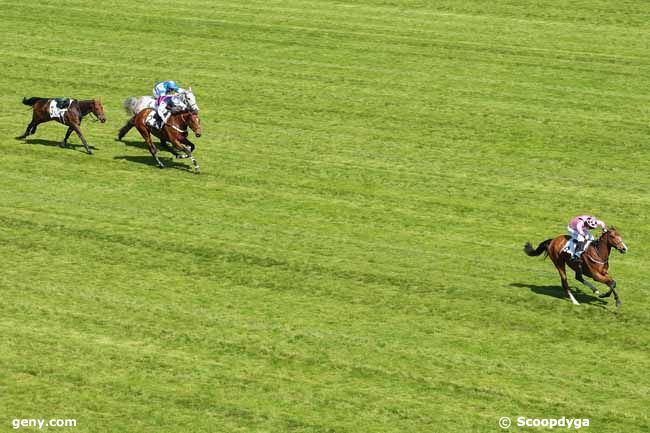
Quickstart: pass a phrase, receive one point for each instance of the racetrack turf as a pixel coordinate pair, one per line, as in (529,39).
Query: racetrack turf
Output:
(350,258)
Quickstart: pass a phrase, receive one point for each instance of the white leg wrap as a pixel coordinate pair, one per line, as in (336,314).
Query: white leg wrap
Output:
(573,300)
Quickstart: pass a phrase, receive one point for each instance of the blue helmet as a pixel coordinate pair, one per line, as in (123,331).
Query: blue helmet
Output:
(171,85)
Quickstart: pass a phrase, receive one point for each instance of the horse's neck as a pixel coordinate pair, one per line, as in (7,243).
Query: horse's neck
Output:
(179,120)
(84,107)
(602,248)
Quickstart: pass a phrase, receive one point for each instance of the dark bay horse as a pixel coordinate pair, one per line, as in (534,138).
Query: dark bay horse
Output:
(72,117)
(594,261)
(174,131)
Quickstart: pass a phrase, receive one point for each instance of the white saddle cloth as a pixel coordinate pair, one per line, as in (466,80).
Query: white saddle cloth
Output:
(151,119)
(56,111)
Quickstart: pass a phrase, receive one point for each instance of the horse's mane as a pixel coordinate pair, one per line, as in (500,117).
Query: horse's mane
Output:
(33,100)
(604,233)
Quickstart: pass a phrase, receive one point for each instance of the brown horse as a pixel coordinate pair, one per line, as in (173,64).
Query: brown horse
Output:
(594,261)
(72,117)
(174,131)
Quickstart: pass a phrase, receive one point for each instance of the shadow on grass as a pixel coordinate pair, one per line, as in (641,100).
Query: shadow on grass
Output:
(558,292)
(140,144)
(53,143)
(148,160)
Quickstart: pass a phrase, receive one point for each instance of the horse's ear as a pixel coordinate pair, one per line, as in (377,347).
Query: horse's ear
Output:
(189,89)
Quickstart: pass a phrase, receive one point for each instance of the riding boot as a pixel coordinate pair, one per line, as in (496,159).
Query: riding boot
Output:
(577,252)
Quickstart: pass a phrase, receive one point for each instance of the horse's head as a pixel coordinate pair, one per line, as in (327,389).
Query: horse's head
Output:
(190,99)
(614,239)
(194,123)
(97,109)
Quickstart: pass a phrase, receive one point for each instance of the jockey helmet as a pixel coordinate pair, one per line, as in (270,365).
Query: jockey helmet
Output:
(591,222)
(171,85)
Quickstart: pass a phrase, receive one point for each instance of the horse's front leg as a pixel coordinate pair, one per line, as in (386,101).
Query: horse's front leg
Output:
(75,127)
(172,149)
(580,278)
(188,151)
(611,283)
(187,142)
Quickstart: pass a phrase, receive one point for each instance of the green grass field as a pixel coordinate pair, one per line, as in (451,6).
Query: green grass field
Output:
(350,258)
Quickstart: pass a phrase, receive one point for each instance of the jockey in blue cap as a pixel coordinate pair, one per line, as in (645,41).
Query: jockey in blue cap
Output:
(164,87)
(163,92)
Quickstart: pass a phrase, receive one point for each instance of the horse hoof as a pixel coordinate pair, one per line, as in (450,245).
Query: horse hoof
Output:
(618,303)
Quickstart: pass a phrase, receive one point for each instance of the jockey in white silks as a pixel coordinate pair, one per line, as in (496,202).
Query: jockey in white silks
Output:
(578,229)
(164,93)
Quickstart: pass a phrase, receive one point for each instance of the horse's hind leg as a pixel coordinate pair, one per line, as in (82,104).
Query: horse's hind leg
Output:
(139,124)
(31,129)
(152,148)
(126,128)
(67,135)
(565,284)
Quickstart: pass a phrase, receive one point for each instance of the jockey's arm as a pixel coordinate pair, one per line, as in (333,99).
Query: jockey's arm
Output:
(601,224)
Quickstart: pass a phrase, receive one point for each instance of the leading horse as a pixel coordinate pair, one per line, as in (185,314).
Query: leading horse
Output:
(594,261)
(72,118)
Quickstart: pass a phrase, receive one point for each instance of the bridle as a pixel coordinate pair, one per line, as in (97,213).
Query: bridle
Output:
(596,244)
(94,117)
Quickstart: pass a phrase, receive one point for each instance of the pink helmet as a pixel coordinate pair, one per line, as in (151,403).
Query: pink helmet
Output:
(591,222)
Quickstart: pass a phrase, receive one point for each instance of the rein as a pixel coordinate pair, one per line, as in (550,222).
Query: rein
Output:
(184,131)
(596,244)
(597,261)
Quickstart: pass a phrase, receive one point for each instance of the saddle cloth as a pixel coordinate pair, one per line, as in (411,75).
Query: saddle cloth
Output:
(152,119)
(567,250)
(59,106)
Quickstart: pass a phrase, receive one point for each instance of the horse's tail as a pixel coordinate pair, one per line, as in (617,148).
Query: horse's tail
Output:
(31,101)
(542,248)
(130,105)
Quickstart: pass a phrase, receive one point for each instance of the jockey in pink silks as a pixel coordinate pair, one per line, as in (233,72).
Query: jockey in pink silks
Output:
(580,235)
